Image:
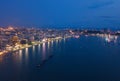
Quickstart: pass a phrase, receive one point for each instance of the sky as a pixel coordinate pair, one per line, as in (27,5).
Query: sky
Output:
(60,13)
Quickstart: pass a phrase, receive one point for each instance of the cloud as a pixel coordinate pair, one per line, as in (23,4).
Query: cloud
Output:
(99,5)
(107,17)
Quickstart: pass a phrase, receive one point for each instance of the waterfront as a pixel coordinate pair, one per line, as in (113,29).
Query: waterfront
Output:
(88,58)
(14,38)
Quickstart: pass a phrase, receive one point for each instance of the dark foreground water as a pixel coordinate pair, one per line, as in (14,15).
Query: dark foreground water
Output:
(84,59)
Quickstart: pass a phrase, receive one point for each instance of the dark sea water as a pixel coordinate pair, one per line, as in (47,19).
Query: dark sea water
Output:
(84,59)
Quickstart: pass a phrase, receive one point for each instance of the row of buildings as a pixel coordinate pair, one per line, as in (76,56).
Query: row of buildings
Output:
(10,36)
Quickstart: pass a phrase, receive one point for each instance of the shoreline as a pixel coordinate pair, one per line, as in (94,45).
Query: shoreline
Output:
(28,46)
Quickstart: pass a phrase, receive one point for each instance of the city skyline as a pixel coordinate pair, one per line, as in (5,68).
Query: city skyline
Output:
(59,40)
(63,13)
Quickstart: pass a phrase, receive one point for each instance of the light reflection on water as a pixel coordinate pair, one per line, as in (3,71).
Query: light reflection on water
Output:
(33,51)
(110,38)
(48,45)
(20,54)
(43,51)
(26,52)
(44,48)
(26,55)
(39,48)
(51,43)
(80,57)
(1,59)
(19,58)
(64,40)
(33,48)
(56,43)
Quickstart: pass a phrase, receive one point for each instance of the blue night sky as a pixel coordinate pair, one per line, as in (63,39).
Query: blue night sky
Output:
(60,13)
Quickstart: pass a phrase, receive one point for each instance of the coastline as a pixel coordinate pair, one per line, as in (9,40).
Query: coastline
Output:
(28,46)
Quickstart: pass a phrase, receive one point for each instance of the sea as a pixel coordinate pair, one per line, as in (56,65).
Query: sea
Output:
(88,58)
